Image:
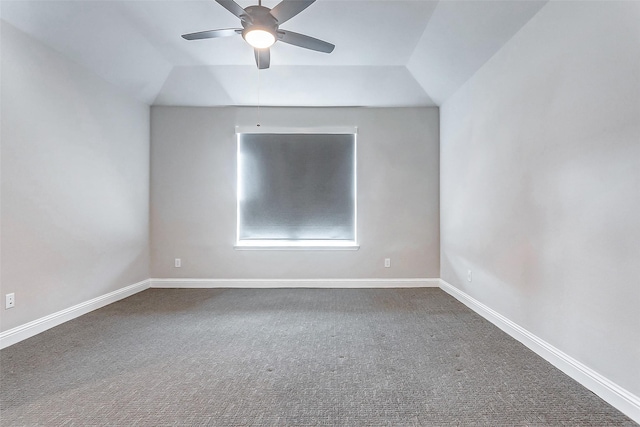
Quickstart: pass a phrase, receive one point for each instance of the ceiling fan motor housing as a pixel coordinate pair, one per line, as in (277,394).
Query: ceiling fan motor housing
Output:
(259,18)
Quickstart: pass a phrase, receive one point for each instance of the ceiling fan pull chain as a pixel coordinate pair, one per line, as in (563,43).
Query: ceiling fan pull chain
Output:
(258,124)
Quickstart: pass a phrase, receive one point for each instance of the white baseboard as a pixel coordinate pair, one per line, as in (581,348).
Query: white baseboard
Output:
(37,326)
(294,283)
(616,396)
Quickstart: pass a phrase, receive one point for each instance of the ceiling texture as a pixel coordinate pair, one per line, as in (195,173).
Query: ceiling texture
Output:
(388,52)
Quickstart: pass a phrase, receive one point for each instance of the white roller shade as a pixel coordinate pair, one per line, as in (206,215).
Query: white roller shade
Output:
(296,189)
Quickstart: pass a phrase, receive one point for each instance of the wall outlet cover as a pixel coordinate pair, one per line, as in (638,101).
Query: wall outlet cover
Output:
(10,301)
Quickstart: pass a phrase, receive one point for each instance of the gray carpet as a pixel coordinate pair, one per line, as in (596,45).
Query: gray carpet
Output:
(287,357)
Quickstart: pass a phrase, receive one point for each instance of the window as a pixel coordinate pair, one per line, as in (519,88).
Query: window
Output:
(296,190)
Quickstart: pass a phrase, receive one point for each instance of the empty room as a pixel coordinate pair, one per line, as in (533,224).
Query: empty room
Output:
(331,212)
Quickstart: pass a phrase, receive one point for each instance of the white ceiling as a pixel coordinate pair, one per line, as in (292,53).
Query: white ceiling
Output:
(388,52)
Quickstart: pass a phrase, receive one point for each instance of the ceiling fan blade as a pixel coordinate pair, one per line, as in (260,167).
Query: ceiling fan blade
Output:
(305,41)
(212,34)
(287,9)
(263,58)
(232,7)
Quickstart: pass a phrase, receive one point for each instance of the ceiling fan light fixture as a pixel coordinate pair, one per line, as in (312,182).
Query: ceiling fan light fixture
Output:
(259,38)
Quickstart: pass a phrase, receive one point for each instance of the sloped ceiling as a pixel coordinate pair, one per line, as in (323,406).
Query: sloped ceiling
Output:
(388,52)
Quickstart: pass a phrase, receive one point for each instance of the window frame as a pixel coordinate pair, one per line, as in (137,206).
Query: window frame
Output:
(265,244)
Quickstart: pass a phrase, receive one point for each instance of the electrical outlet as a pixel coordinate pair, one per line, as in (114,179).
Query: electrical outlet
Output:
(10,301)
(387,262)
(178,263)
(469,276)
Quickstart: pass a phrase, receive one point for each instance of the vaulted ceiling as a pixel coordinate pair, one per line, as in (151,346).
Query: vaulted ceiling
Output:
(388,52)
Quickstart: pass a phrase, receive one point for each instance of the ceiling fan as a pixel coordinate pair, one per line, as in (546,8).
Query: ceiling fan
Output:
(261,28)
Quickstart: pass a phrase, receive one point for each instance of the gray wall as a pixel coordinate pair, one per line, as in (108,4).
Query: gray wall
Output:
(75,183)
(193,195)
(540,170)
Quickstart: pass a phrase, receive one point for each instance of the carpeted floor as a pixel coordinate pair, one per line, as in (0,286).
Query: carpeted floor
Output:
(287,357)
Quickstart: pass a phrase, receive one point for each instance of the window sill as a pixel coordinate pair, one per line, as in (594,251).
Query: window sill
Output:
(307,245)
